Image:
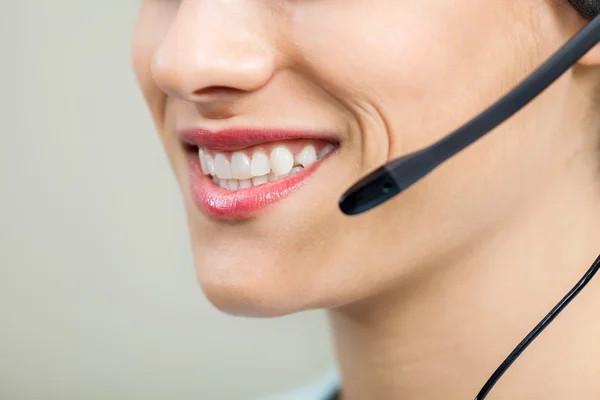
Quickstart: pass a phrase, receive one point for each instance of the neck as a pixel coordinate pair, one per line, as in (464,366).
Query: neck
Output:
(441,336)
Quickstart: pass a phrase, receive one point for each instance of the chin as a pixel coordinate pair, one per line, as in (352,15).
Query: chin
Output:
(247,287)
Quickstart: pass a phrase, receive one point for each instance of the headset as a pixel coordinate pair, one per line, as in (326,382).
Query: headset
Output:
(398,175)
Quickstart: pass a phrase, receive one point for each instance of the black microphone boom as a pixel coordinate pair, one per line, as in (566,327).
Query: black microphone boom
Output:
(397,175)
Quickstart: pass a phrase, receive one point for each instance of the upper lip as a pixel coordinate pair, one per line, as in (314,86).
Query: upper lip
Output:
(240,138)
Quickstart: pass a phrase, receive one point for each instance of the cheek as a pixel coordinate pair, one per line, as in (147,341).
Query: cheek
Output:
(413,63)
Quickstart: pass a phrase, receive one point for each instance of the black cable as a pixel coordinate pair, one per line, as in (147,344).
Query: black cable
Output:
(538,329)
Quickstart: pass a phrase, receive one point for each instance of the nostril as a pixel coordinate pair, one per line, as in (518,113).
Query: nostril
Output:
(216,102)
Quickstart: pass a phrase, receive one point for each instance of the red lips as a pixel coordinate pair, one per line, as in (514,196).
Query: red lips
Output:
(236,139)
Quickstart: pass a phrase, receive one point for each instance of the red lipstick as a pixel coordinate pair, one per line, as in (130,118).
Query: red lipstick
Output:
(236,139)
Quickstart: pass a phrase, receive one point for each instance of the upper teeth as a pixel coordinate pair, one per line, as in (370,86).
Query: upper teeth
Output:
(260,164)
(282,160)
(260,168)
(222,166)
(240,166)
(308,155)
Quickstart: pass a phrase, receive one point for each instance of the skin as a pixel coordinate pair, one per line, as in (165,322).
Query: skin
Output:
(429,292)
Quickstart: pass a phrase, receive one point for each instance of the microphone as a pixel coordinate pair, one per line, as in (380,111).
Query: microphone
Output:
(398,175)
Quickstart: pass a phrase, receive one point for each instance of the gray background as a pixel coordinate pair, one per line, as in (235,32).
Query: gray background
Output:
(98,298)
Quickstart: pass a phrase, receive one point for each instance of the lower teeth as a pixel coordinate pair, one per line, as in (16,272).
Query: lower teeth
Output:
(236,184)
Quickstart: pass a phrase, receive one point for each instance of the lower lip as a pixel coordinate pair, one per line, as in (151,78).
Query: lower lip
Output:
(216,202)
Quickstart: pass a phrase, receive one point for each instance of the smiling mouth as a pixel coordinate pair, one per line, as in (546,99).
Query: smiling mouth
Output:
(234,174)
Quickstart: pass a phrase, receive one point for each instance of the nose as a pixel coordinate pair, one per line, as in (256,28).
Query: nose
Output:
(213,49)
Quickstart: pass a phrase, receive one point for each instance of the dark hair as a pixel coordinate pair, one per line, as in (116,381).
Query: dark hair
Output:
(587,8)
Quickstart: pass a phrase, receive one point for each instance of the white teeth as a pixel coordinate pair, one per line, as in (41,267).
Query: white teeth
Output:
(307,156)
(259,180)
(260,164)
(245,183)
(242,172)
(210,164)
(326,150)
(222,166)
(233,184)
(240,166)
(282,160)
(202,161)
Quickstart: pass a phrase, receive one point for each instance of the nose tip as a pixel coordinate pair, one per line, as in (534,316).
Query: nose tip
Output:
(198,61)
(194,77)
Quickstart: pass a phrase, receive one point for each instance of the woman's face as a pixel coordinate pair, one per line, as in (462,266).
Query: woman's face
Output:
(336,88)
